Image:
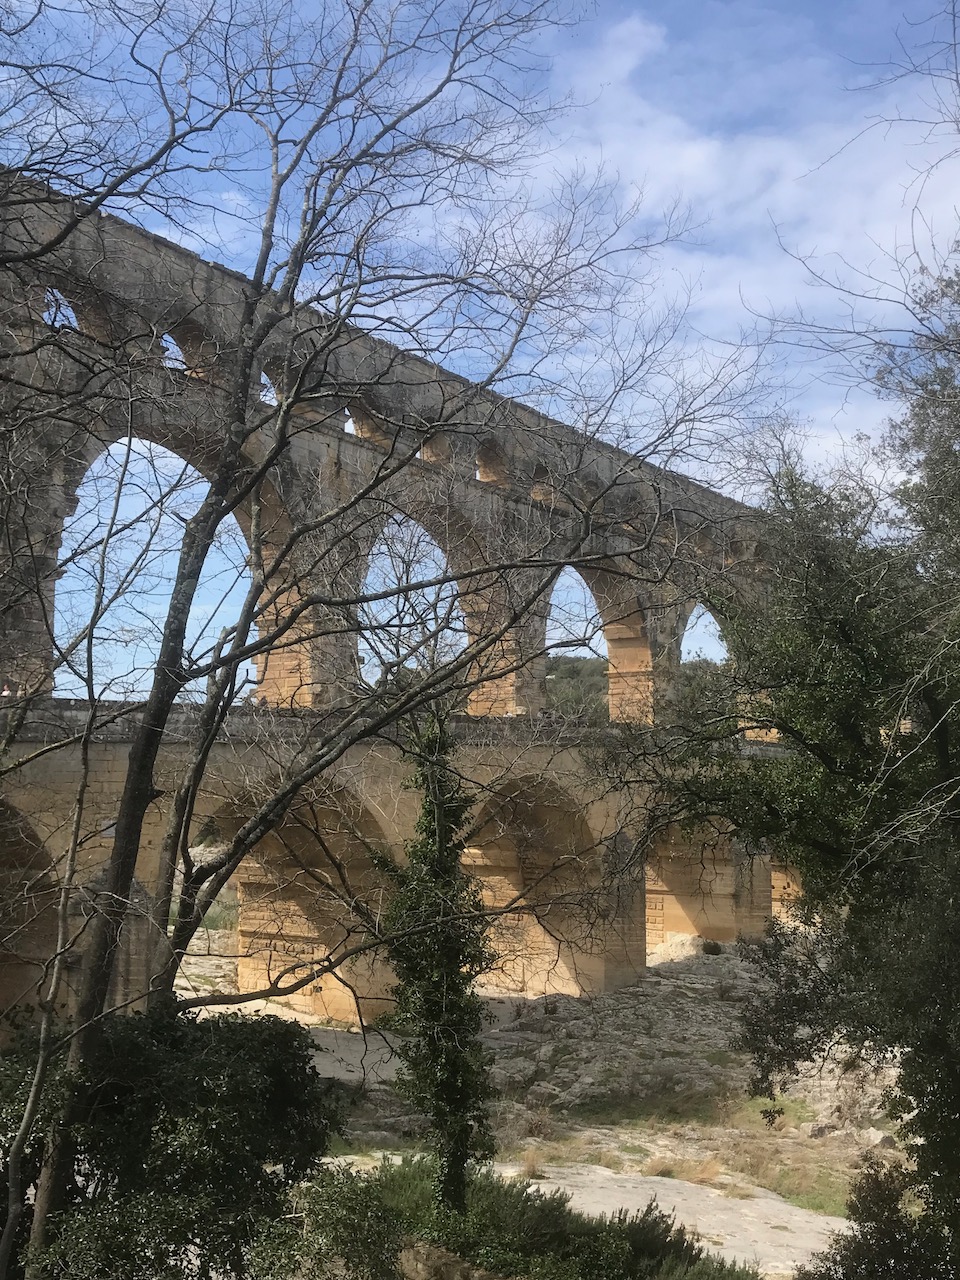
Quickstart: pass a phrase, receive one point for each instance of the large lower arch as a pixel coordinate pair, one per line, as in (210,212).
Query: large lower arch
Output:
(703,883)
(540,869)
(309,891)
(29,894)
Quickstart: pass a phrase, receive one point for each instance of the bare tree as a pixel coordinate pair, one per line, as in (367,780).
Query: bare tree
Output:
(370,174)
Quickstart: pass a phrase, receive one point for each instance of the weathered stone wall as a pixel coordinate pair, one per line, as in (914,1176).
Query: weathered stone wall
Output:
(538,840)
(492,481)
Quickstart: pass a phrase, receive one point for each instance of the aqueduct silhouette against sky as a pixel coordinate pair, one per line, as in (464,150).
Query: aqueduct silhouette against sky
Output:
(118,334)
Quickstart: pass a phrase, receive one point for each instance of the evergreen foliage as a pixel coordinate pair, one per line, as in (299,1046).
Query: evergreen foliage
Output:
(338,1226)
(437,945)
(192,1133)
(511,1229)
(830,742)
(889,1239)
(576,688)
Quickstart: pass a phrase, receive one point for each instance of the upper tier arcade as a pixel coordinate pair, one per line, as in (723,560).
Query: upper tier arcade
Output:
(341,432)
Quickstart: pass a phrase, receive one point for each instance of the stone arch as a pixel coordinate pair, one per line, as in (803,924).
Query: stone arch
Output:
(623,623)
(701,636)
(691,649)
(202,319)
(492,465)
(58,312)
(173,356)
(310,889)
(575,669)
(71,307)
(290,673)
(587,490)
(370,426)
(703,883)
(477,541)
(437,449)
(423,499)
(415,629)
(200,345)
(542,487)
(185,346)
(536,858)
(29,893)
(266,390)
(148,491)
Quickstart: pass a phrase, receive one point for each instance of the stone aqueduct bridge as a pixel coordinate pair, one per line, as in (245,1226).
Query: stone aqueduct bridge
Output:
(541,830)
(508,495)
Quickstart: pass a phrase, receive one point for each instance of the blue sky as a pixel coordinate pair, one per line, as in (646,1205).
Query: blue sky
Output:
(762,117)
(767,119)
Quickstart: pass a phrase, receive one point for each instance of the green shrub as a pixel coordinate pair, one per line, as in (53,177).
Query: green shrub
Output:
(193,1131)
(513,1229)
(888,1238)
(338,1226)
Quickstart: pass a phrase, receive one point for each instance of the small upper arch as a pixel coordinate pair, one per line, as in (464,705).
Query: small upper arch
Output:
(437,449)
(188,348)
(492,465)
(360,422)
(58,313)
(173,356)
(542,488)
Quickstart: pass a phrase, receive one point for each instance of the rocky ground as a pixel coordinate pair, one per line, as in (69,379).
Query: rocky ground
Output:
(639,1093)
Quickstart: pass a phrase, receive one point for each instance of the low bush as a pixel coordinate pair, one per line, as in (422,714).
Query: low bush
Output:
(512,1229)
(889,1238)
(192,1133)
(338,1227)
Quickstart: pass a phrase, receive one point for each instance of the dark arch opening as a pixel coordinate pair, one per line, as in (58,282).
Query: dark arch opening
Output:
(118,562)
(410,619)
(172,357)
(541,485)
(310,889)
(28,910)
(437,449)
(575,678)
(533,851)
(702,654)
(492,463)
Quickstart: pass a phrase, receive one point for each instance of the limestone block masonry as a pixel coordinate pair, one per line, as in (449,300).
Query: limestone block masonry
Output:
(368,432)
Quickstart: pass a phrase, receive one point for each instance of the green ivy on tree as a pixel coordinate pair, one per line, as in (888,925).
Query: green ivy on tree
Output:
(437,944)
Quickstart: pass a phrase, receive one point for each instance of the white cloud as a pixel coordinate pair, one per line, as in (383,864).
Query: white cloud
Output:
(776,158)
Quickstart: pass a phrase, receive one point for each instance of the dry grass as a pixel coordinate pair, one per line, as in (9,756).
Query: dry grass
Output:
(703,1172)
(805,1177)
(530,1166)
